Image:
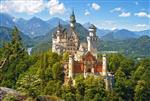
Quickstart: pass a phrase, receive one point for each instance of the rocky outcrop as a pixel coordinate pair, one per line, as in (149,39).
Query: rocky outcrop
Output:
(10,92)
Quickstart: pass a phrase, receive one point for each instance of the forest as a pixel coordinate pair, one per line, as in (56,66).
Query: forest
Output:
(39,76)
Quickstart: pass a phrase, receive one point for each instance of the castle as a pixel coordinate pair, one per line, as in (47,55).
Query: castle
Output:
(82,56)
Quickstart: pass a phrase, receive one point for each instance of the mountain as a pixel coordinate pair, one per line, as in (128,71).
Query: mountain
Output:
(100,32)
(20,22)
(122,34)
(37,27)
(141,33)
(33,27)
(5,36)
(6,20)
(55,20)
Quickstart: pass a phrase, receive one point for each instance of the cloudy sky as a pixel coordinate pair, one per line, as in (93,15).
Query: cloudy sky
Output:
(107,14)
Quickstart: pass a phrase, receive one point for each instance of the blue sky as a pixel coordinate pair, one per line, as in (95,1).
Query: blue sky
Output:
(106,14)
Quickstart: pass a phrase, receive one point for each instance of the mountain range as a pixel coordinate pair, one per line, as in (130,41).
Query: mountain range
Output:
(37,33)
(35,27)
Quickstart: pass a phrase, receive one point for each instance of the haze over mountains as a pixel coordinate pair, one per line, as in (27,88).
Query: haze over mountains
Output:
(37,27)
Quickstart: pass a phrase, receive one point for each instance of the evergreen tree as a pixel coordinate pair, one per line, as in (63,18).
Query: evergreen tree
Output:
(16,62)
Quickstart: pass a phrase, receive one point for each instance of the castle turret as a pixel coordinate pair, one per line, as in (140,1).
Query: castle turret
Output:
(92,40)
(92,30)
(72,20)
(70,66)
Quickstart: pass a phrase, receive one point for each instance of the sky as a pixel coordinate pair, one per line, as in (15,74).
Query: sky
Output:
(105,14)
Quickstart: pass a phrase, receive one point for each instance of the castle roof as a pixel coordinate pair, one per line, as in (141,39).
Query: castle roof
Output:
(92,26)
(88,57)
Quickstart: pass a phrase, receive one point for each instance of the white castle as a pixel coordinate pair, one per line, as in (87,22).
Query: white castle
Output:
(82,56)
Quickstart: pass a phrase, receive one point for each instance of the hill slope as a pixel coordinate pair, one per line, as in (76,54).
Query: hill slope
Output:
(5,36)
(131,47)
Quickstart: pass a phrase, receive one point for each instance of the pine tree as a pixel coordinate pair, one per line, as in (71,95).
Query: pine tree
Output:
(15,55)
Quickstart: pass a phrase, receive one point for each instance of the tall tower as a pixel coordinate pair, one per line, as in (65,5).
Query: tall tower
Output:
(70,66)
(56,39)
(58,32)
(72,20)
(104,68)
(104,72)
(92,40)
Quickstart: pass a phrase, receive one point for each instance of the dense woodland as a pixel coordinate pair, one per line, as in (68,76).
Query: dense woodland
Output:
(41,74)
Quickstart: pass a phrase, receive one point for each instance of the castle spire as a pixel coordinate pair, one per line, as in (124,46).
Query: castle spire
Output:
(59,26)
(73,13)
(72,20)
(59,23)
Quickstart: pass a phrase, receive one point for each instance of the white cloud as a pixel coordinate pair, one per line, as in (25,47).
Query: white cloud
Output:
(125,14)
(55,7)
(32,6)
(141,25)
(116,9)
(122,12)
(142,14)
(22,6)
(87,13)
(95,6)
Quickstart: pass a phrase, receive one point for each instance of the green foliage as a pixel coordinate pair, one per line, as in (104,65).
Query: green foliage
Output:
(9,97)
(17,60)
(53,88)
(29,85)
(90,89)
(65,56)
(57,71)
(41,74)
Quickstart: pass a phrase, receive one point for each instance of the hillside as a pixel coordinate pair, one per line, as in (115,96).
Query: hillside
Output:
(5,36)
(131,47)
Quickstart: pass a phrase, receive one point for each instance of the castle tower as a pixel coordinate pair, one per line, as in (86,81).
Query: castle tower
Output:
(70,66)
(72,20)
(92,40)
(58,32)
(104,72)
(104,65)
(56,39)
